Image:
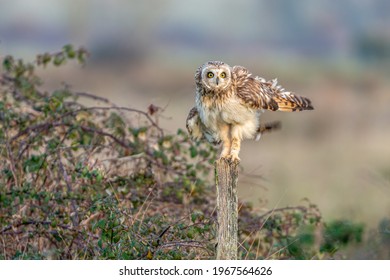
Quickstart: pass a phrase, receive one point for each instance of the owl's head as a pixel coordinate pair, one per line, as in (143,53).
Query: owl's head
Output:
(215,75)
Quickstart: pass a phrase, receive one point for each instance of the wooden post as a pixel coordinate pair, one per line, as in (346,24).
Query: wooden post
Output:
(226,177)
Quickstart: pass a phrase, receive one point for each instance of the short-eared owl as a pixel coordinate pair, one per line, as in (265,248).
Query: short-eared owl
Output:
(229,101)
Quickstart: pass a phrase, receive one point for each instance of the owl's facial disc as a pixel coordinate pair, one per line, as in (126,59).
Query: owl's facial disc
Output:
(216,78)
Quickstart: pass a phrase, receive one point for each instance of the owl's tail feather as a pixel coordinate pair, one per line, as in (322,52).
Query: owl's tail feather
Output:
(289,102)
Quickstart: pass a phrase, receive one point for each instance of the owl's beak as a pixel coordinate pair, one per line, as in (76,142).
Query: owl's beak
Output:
(217,80)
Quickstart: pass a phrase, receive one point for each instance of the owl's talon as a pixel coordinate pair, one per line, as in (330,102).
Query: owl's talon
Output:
(235,159)
(232,158)
(224,158)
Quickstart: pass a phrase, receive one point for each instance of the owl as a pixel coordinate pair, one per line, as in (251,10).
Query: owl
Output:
(228,104)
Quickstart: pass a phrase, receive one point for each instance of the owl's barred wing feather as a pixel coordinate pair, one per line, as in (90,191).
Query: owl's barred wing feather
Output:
(197,130)
(250,90)
(193,124)
(287,101)
(259,93)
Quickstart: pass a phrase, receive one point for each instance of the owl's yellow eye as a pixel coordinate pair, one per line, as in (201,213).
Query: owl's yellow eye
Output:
(210,74)
(223,75)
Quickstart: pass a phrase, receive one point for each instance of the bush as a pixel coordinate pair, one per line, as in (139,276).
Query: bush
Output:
(106,182)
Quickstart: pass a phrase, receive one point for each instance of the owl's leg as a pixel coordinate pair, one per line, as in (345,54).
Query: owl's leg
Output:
(236,143)
(225,138)
(236,146)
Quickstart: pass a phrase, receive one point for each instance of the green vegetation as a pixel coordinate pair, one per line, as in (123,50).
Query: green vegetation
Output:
(106,182)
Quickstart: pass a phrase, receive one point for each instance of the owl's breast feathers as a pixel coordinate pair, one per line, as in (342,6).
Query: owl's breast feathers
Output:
(215,99)
(220,108)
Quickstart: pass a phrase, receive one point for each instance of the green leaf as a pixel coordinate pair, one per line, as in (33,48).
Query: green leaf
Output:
(35,163)
(82,55)
(61,94)
(59,59)
(69,50)
(193,152)
(46,58)
(8,63)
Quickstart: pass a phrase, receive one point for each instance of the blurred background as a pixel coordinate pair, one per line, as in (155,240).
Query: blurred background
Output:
(337,53)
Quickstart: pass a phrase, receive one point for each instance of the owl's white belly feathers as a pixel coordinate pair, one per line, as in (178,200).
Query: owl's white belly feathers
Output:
(231,112)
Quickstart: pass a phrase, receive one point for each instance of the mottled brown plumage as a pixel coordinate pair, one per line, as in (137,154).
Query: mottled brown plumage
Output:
(229,101)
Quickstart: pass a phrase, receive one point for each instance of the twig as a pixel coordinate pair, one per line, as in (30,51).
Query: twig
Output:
(56,122)
(126,158)
(270,212)
(281,249)
(123,109)
(37,128)
(75,218)
(33,222)
(92,96)
(101,132)
(162,234)
(195,244)
(147,203)
(11,158)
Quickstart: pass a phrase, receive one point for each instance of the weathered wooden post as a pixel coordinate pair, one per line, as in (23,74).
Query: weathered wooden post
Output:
(226,178)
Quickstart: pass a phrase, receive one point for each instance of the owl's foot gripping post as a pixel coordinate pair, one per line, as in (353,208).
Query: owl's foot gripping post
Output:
(234,151)
(231,144)
(231,157)
(226,142)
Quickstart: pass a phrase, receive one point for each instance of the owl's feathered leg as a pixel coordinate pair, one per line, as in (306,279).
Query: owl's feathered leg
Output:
(236,146)
(226,141)
(236,137)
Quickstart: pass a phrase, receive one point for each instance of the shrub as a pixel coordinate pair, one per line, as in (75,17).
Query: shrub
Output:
(106,182)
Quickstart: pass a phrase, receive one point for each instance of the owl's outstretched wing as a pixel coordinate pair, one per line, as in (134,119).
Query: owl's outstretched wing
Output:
(193,125)
(261,94)
(197,130)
